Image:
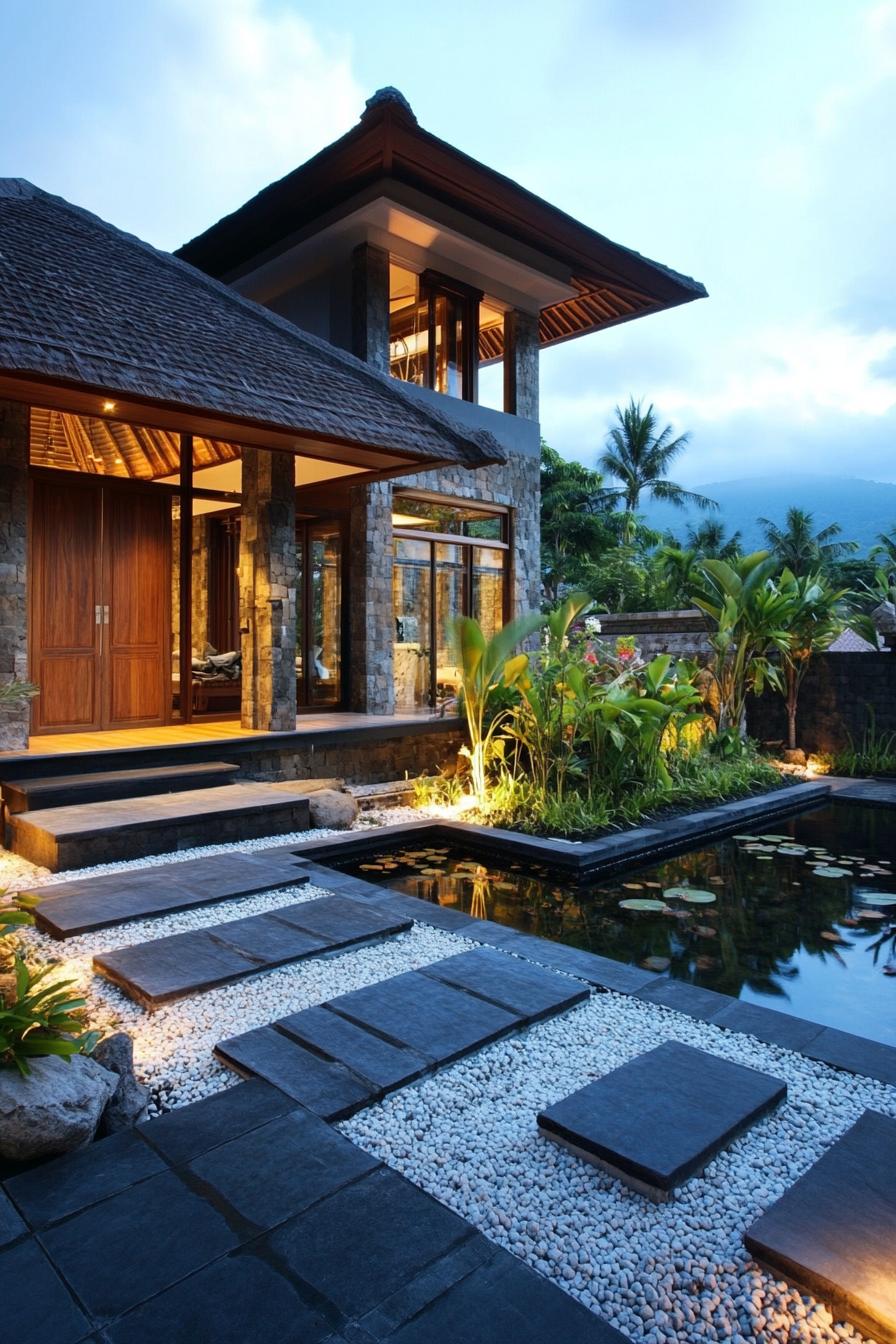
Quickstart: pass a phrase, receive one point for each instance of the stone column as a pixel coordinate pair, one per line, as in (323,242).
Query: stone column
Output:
(371,620)
(370,305)
(268,590)
(521,364)
(15,720)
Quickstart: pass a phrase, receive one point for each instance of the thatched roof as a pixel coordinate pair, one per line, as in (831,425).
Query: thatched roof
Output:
(85,306)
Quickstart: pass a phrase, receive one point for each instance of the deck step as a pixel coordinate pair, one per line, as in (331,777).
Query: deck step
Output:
(26,795)
(60,838)
(190,963)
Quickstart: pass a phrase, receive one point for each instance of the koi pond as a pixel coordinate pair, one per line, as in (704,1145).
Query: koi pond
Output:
(801,917)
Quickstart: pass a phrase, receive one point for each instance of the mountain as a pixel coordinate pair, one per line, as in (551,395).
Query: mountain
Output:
(862,508)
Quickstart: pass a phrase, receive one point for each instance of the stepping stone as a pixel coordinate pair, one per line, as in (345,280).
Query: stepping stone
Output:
(658,1120)
(189,963)
(382,1065)
(435,1020)
(70,908)
(833,1233)
(23,795)
(322,1085)
(508,981)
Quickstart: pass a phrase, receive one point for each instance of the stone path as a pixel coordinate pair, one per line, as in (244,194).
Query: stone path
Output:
(656,1121)
(245,1219)
(70,908)
(833,1234)
(343,1055)
(201,959)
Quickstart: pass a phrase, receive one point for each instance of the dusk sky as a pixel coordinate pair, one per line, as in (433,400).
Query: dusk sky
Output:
(749,143)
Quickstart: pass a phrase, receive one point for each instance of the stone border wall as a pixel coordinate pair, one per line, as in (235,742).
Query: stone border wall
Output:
(834,701)
(682,633)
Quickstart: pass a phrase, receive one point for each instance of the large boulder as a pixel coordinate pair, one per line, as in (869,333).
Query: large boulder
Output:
(127,1106)
(332,810)
(56,1108)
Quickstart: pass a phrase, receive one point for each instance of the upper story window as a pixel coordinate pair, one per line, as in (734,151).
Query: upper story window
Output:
(434,331)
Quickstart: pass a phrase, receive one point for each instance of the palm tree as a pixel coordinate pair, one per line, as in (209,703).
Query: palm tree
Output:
(801,549)
(711,541)
(638,454)
(885,550)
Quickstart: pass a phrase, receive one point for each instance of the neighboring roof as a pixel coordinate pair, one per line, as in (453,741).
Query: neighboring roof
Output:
(84,305)
(849,642)
(614,283)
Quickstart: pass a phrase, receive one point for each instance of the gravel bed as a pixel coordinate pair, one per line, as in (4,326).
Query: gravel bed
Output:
(662,1273)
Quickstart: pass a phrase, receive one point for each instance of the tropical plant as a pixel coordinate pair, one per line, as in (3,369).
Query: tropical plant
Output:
(638,454)
(577,525)
(749,621)
(711,541)
(15,691)
(43,1019)
(873,754)
(817,612)
(885,549)
(801,549)
(488,666)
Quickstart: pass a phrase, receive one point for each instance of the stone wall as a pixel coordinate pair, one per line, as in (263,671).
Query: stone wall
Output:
(357,761)
(515,484)
(682,633)
(268,590)
(14,439)
(833,704)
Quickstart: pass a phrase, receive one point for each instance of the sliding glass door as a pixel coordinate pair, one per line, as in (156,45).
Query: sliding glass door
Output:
(319,615)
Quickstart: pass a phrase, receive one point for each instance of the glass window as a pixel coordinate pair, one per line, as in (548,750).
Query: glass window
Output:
(449,584)
(433,331)
(445,517)
(326,614)
(487,589)
(408,328)
(411,596)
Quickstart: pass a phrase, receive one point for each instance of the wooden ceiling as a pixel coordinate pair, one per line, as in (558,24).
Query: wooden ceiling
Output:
(113,448)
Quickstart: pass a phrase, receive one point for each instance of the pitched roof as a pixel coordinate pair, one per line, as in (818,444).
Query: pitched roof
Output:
(613,283)
(85,305)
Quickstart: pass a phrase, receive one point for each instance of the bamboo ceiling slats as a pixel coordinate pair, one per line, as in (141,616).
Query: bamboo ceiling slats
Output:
(113,448)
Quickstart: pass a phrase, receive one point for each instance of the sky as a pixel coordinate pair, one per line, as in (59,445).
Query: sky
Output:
(748,143)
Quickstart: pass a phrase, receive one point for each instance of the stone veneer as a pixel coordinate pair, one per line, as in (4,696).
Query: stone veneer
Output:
(514,484)
(14,440)
(268,590)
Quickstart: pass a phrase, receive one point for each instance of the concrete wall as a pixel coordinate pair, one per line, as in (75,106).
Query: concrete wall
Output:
(834,702)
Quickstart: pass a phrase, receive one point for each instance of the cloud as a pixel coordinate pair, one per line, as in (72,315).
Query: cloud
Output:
(875,65)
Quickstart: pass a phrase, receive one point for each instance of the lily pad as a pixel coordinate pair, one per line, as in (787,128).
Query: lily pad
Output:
(691,894)
(704,931)
(878,897)
(633,886)
(872,914)
(642,903)
(831,872)
(656,963)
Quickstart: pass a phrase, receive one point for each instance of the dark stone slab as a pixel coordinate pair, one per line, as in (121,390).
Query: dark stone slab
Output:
(278,1171)
(511,983)
(435,1020)
(424,1287)
(341,921)
(20,795)
(506,1301)
(323,1085)
(192,1130)
(793,1033)
(367,1240)
(34,1302)
(658,1120)
(384,1066)
(11,1225)
(833,1233)
(189,963)
(77,1180)
(132,1246)
(237,1300)
(690,999)
(602,972)
(842,1050)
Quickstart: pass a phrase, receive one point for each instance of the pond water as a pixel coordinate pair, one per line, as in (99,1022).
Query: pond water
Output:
(798,916)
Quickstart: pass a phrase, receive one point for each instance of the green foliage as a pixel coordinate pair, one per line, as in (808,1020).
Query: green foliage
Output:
(15,913)
(873,754)
(42,1019)
(816,613)
(800,549)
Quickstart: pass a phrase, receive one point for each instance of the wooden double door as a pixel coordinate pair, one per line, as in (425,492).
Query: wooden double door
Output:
(100,604)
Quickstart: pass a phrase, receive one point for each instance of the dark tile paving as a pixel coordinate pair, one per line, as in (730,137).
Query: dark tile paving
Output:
(188,963)
(11,1225)
(70,908)
(55,1189)
(281,1169)
(510,982)
(383,1065)
(436,1020)
(844,1051)
(657,1120)
(34,1302)
(833,1233)
(325,1086)
(192,1130)
(793,1033)
(684,998)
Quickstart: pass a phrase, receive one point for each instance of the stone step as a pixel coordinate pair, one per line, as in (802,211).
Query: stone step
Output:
(25,795)
(60,838)
(68,909)
(833,1233)
(340,1056)
(191,963)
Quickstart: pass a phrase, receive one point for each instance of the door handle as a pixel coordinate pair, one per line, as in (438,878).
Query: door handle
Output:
(106,614)
(98,614)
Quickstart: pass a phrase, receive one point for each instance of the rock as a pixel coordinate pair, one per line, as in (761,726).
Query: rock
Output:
(55,1109)
(332,810)
(128,1104)
(793,756)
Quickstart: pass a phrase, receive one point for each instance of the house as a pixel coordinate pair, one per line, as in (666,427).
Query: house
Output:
(255,478)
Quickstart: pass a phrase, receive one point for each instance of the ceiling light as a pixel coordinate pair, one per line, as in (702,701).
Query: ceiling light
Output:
(109,405)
